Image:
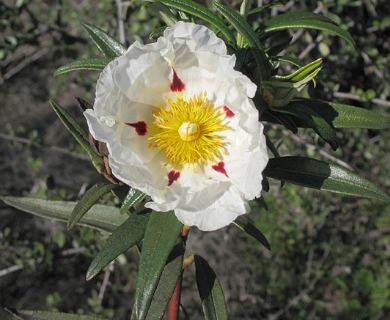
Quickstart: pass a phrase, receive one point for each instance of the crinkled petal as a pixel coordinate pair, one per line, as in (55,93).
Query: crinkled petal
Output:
(226,207)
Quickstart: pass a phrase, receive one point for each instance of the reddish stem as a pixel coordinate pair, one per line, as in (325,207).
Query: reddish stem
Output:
(174,303)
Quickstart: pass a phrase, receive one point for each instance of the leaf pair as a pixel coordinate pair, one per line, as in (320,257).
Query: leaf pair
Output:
(106,44)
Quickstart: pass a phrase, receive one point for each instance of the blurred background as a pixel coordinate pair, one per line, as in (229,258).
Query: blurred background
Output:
(330,254)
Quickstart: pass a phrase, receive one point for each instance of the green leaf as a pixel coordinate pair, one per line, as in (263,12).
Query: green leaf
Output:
(168,280)
(342,115)
(128,234)
(323,176)
(264,7)
(101,217)
(160,237)
(110,47)
(240,24)
(306,20)
(79,134)
(251,230)
(210,291)
(84,64)
(243,28)
(310,119)
(197,10)
(166,14)
(132,197)
(93,195)
(49,315)
(280,118)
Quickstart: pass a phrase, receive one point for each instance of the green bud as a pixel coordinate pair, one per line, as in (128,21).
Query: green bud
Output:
(280,90)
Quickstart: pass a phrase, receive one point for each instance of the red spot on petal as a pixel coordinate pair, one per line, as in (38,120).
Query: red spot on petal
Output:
(140,127)
(173,176)
(229,113)
(177,85)
(220,167)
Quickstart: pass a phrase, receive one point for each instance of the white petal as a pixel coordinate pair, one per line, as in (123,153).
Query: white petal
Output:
(225,208)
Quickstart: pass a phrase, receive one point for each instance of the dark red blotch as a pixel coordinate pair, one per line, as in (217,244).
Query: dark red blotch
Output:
(177,85)
(140,127)
(220,167)
(229,113)
(173,176)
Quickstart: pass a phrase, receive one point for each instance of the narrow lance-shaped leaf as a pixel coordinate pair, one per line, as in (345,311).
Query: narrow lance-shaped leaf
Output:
(263,8)
(306,20)
(166,14)
(110,47)
(323,176)
(160,237)
(241,25)
(210,291)
(132,197)
(101,217)
(168,280)
(85,64)
(128,234)
(92,196)
(79,134)
(251,230)
(342,115)
(199,11)
(49,315)
(309,118)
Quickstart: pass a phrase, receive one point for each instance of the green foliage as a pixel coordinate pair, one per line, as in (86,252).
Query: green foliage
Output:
(161,234)
(91,197)
(296,233)
(124,237)
(101,217)
(210,291)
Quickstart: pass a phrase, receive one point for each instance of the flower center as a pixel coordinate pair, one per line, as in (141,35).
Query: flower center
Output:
(188,131)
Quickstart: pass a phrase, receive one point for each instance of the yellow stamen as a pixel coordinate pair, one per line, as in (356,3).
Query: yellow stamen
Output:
(188,131)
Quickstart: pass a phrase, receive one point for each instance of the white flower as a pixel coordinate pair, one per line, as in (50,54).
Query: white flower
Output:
(181,127)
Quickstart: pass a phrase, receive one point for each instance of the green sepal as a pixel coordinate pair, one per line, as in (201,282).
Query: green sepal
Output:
(197,10)
(110,47)
(306,20)
(128,234)
(160,237)
(280,90)
(84,64)
(320,175)
(210,291)
(167,283)
(132,197)
(303,73)
(49,315)
(79,134)
(93,195)
(253,231)
(83,104)
(100,217)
